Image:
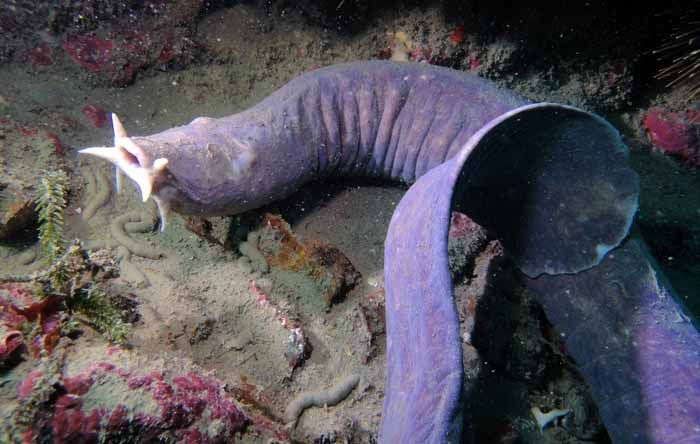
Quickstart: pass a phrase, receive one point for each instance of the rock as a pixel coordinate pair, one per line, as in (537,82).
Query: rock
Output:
(17,214)
(674,133)
(297,348)
(40,55)
(96,114)
(129,405)
(117,53)
(324,265)
(21,308)
(372,323)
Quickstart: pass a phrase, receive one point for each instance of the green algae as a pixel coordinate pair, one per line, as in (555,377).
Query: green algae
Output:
(94,304)
(51,205)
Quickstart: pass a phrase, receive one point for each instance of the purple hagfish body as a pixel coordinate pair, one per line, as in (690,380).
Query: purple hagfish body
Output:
(551,181)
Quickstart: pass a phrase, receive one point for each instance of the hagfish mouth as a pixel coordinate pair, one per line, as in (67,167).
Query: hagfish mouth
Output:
(130,160)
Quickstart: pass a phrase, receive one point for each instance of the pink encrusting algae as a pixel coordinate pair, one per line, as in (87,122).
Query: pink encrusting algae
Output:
(106,402)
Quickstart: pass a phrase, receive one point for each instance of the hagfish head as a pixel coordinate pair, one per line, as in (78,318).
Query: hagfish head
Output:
(169,170)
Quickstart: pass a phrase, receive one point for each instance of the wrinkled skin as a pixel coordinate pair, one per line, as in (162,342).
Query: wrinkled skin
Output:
(551,181)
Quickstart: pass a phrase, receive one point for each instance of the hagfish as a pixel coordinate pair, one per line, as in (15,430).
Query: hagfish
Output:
(553,182)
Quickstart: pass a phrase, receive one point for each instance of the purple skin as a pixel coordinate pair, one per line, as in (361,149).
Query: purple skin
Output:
(551,181)
(647,382)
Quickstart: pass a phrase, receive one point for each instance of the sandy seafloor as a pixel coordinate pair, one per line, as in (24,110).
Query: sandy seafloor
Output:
(198,285)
